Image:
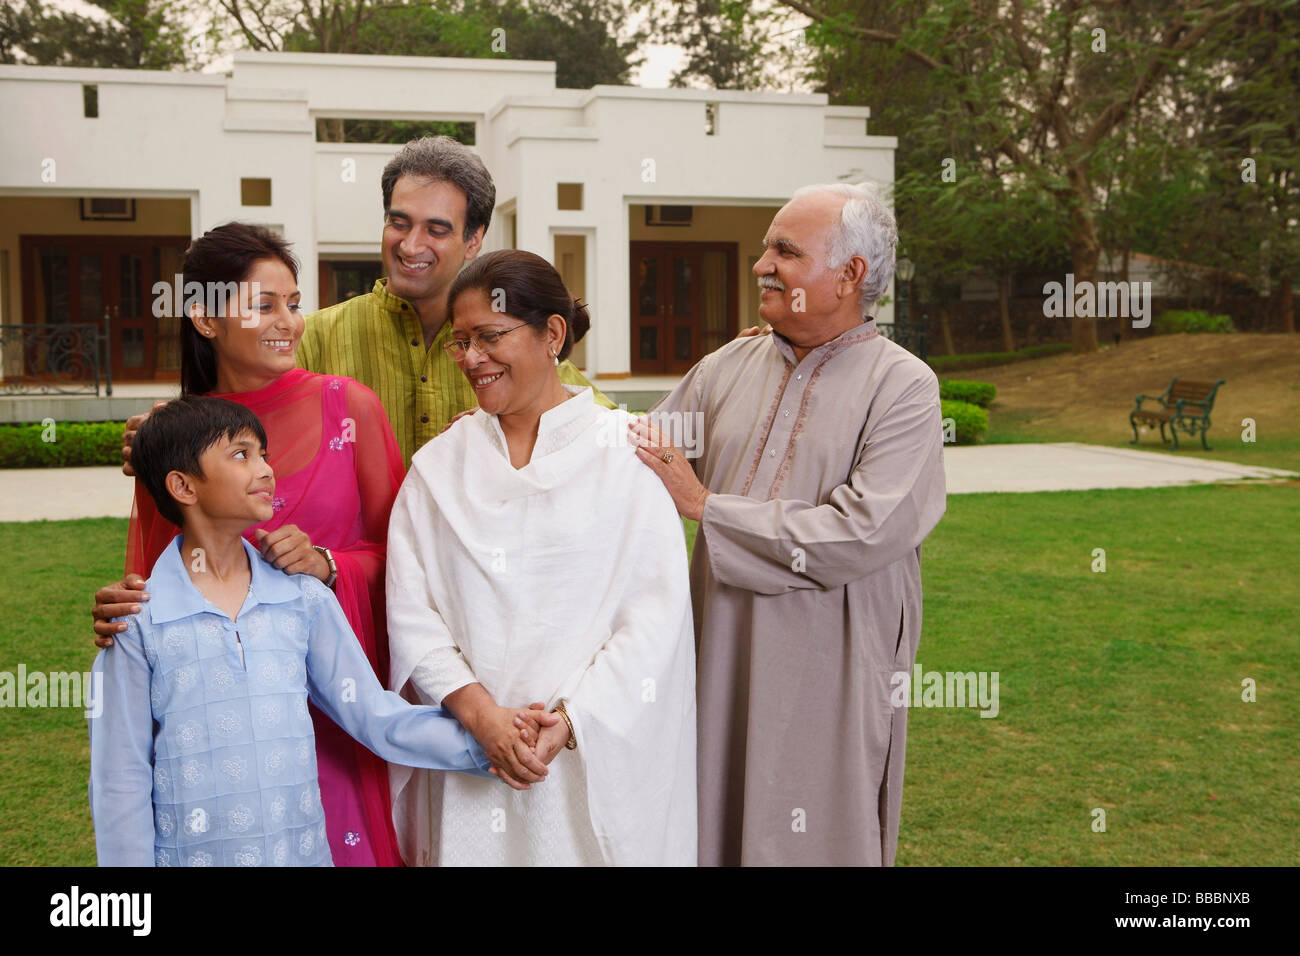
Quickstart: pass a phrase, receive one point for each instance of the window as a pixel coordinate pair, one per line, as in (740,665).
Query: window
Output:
(568,195)
(254,192)
(710,119)
(90,100)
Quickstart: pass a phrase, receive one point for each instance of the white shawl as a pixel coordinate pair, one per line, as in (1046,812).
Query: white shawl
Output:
(566,580)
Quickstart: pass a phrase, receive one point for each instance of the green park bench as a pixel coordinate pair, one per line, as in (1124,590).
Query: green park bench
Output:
(1185,404)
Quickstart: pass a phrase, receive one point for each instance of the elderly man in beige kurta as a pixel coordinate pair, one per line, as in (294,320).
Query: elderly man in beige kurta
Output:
(819,473)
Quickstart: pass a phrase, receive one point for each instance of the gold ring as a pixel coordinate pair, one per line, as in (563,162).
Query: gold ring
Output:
(667,457)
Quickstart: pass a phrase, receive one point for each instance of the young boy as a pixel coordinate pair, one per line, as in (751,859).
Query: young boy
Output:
(204,753)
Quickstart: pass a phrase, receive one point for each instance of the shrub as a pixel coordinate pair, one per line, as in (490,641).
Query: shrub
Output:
(976,393)
(76,444)
(1172,321)
(971,421)
(956,363)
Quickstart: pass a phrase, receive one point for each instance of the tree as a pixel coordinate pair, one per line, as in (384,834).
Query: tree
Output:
(581,36)
(1037,90)
(135,34)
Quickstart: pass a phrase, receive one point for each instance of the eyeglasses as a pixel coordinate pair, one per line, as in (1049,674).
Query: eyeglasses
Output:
(485,342)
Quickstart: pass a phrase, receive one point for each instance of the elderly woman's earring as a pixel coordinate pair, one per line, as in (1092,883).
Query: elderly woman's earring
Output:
(555,356)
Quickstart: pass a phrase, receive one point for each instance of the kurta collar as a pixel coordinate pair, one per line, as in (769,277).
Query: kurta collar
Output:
(557,426)
(398,307)
(173,595)
(388,301)
(854,335)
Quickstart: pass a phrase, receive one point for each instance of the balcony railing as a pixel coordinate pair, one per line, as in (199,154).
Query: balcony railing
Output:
(55,359)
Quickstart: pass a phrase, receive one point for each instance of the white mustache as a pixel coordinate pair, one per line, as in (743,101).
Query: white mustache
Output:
(771,285)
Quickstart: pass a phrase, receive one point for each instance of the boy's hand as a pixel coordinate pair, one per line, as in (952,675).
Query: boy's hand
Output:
(116,600)
(128,439)
(289,549)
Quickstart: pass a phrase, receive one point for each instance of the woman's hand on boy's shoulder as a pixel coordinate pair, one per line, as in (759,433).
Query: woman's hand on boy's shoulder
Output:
(116,600)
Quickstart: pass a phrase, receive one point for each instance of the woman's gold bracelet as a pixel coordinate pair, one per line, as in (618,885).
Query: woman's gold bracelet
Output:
(572,742)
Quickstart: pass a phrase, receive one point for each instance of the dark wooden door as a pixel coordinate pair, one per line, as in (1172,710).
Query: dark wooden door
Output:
(683,303)
(79,279)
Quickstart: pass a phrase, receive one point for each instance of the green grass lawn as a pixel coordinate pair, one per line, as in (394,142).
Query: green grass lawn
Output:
(1119,690)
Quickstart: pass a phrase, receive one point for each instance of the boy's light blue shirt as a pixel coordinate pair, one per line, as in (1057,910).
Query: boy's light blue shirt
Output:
(204,753)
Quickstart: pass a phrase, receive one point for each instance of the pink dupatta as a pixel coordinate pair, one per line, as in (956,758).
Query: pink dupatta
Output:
(337,470)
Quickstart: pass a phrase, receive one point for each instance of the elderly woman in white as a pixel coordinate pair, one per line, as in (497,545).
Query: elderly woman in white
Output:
(533,557)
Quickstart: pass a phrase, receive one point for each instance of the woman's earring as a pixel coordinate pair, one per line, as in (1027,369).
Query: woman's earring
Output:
(555,356)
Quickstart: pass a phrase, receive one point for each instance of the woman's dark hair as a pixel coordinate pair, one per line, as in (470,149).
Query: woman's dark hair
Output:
(174,437)
(218,261)
(530,290)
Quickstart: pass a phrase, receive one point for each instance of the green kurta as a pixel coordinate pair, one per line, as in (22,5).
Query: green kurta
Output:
(377,339)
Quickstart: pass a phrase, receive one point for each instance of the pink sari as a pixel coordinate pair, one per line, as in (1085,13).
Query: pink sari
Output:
(337,472)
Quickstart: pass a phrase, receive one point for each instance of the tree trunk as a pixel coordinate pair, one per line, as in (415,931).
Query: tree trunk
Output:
(947,330)
(1004,294)
(1085,250)
(1285,306)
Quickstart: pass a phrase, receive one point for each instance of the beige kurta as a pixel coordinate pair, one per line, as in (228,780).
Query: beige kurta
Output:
(806,582)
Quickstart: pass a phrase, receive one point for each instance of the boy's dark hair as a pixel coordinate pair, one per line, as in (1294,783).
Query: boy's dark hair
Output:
(173,438)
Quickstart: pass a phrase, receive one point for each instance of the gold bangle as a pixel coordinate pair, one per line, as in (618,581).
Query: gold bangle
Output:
(572,742)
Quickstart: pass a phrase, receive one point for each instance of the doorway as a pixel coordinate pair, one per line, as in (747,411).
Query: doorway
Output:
(87,279)
(684,303)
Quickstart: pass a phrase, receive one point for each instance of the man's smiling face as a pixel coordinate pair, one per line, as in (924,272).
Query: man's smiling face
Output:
(423,242)
(797,289)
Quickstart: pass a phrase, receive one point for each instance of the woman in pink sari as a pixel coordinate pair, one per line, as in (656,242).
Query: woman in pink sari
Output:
(338,470)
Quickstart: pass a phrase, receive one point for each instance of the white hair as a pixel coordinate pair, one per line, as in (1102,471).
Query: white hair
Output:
(866,228)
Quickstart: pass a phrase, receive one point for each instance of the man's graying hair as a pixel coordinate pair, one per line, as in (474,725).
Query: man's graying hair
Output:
(441,159)
(866,228)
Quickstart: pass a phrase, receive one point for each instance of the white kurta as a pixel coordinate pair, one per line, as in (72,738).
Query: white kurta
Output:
(563,580)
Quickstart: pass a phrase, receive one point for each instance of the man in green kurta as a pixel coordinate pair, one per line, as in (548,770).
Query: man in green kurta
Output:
(438,200)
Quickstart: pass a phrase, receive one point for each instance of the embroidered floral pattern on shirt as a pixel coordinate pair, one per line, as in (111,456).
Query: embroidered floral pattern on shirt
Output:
(200,859)
(229,724)
(222,677)
(278,806)
(240,819)
(269,715)
(274,762)
(189,733)
(236,768)
(248,856)
(192,774)
(166,825)
(280,852)
(336,443)
(306,843)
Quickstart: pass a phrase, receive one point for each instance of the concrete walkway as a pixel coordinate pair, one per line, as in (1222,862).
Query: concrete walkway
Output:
(60,493)
(1072,466)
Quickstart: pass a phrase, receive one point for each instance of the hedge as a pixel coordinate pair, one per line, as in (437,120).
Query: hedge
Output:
(955,363)
(75,444)
(976,393)
(1172,321)
(971,421)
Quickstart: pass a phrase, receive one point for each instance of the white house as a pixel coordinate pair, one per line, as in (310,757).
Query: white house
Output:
(652,203)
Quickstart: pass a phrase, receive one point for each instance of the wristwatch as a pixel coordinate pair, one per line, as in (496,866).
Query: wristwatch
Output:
(334,568)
